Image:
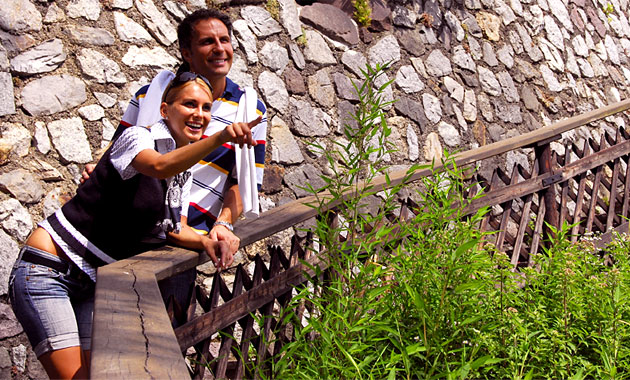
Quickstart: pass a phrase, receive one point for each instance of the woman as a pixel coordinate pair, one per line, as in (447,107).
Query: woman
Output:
(131,203)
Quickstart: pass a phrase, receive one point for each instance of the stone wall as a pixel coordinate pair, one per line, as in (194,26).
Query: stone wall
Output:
(466,73)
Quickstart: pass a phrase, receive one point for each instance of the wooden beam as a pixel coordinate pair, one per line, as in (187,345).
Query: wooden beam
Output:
(132,338)
(131,335)
(607,237)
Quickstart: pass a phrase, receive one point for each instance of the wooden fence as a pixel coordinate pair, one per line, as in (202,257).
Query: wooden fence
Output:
(586,185)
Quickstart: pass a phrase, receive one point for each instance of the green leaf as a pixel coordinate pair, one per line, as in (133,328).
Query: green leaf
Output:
(465,247)
(392,374)
(472,319)
(530,375)
(468,286)
(415,297)
(415,348)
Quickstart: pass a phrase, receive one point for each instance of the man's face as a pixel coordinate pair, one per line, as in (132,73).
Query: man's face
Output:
(210,53)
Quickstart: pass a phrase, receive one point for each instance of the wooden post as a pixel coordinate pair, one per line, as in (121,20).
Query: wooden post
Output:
(552,214)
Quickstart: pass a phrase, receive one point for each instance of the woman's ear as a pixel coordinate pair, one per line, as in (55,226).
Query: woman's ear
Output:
(164,110)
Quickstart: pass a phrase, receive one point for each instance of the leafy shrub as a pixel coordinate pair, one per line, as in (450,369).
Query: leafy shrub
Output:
(431,298)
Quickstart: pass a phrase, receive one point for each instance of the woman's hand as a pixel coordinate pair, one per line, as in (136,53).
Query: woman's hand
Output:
(241,133)
(219,252)
(222,233)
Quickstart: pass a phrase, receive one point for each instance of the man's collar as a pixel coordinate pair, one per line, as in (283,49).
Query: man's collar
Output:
(231,88)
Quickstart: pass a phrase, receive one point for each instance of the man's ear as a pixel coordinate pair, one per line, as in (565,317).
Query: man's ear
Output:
(164,110)
(186,55)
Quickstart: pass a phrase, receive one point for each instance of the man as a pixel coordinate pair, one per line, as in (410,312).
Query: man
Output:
(205,45)
(215,201)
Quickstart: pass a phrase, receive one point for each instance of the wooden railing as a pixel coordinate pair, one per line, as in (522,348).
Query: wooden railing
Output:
(587,185)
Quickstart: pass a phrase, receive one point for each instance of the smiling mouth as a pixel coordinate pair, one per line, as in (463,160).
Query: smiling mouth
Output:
(194,126)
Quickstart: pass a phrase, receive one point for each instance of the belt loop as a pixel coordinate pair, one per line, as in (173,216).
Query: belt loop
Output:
(21,253)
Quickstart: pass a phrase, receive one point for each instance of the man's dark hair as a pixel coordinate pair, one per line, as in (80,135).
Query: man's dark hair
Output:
(186,27)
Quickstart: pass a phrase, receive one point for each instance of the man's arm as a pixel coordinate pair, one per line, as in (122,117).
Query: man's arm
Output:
(232,209)
(129,118)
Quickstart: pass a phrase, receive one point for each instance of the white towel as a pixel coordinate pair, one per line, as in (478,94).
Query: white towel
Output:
(245,159)
(149,112)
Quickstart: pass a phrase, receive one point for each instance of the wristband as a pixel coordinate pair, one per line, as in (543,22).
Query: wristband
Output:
(227,225)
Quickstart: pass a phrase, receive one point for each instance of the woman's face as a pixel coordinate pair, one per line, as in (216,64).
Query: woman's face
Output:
(189,114)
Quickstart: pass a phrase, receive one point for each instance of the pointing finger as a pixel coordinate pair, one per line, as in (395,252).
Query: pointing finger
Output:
(255,122)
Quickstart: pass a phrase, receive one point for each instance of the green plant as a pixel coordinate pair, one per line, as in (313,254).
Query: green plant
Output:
(273,7)
(431,297)
(608,9)
(362,12)
(343,317)
(301,40)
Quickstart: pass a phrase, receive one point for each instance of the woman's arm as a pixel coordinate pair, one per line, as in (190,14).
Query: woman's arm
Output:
(219,251)
(161,166)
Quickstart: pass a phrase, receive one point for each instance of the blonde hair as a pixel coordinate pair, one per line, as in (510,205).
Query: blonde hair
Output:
(175,87)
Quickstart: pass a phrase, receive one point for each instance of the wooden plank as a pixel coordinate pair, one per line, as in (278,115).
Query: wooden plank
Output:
(608,185)
(204,359)
(626,192)
(485,222)
(132,338)
(505,218)
(580,199)
(613,196)
(163,262)
(552,216)
(264,338)
(538,230)
(607,237)
(535,184)
(226,341)
(247,322)
(564,197)
(246,336)
(521,229)
(594,196)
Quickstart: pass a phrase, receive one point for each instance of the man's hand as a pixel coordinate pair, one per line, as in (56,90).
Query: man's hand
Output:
(87,170)
(222,233)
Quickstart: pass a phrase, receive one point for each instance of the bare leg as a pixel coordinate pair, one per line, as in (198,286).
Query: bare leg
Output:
(66,363)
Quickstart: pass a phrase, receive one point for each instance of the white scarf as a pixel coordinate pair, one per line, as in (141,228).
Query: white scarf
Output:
(245,159)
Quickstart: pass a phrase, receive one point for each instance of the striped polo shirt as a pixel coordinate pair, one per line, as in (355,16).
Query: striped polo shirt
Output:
(216,170)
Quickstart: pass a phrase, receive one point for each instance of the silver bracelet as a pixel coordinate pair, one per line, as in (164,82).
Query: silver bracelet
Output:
(227,225)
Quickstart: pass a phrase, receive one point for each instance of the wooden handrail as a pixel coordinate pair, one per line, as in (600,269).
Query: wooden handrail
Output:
(292,213)
(132,334)
(132,337)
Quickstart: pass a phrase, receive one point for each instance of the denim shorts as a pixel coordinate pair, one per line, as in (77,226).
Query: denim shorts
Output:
(55,309)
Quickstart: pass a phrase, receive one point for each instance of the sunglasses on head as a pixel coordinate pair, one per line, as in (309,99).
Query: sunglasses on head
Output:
(184,77)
